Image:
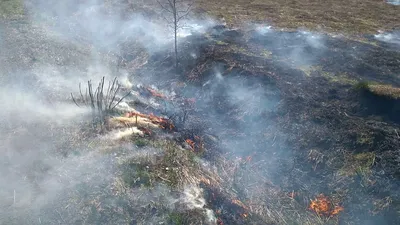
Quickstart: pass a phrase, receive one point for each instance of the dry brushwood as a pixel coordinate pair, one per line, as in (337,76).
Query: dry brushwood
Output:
(100,102)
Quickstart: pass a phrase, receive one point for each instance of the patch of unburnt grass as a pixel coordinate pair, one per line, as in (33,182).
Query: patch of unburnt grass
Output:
(359,164)
(173,166)
(383,90)
(379,99)
(190,217)
(11,8)
(352,17)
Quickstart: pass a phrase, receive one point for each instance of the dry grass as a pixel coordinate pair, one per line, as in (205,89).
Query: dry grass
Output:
(349,16)
(384,90)
(11,9)
(175,166)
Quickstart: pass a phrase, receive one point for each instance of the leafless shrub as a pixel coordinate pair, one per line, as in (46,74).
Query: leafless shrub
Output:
(102,103)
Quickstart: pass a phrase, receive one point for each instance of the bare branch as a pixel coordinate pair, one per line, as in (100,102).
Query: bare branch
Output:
(182,16)
(120,100)
(188,8)
(172,4)
(166,19)
(164,7)
(80,91)
(73,99)
(113,96)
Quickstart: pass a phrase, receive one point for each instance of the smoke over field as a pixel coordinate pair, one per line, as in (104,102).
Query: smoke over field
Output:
(256,126)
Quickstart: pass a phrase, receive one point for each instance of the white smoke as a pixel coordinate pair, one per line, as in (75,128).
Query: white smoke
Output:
(393,38)
(393,2)
(193,197)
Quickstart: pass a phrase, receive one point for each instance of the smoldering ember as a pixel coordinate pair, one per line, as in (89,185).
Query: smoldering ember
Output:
(199,112)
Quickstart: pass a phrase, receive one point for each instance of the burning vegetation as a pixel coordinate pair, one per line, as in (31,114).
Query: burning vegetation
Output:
(323,206)
(240,133)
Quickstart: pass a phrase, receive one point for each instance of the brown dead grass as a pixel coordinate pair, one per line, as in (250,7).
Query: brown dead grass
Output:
(385,90)
(349,16)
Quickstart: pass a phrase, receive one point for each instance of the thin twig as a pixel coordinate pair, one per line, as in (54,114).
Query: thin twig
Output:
(60,216)
(73,99)
(80,91)
(120,100)
(113,96)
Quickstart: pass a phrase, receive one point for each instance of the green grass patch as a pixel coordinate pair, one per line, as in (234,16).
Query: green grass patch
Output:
(136,175)
(365,138)
(341,78)
(141,142)
(175,218)
(266,54)
(173,166)
(362,85)
(309,69)
(358,164)
(221,43)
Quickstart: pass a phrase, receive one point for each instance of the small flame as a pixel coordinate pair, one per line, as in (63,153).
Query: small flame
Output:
(190,143)
(163,123)
(323,206)
(245,215)
(249,158)
(336,210)
(155,93)
(239,203)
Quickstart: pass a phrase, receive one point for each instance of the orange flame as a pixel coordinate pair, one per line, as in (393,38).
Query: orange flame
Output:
(249,158)
(336,210)
(245,215)
(190,142)
(164,123)
(239,203)
(155,93)
(323,206)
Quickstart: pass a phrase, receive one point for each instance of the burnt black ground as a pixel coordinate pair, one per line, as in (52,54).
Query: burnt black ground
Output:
(316,109)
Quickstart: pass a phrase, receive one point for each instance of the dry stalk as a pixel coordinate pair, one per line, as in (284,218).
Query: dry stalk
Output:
(100,103)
